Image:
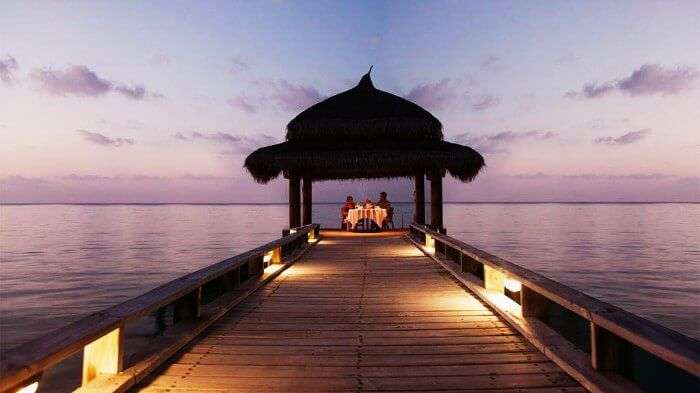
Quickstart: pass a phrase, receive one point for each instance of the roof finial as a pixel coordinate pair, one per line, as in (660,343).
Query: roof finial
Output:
(366,80)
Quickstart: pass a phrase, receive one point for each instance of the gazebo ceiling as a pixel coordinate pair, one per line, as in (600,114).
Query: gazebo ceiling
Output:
(364,133)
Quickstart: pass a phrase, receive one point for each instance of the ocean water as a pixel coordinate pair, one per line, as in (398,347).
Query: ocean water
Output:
(60,262)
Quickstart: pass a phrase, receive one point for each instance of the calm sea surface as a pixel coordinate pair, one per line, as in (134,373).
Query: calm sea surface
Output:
(60,262)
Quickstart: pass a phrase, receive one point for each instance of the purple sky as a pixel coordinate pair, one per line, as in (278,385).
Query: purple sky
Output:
(160,102)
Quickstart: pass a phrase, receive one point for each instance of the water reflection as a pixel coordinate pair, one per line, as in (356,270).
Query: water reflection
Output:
(645,258)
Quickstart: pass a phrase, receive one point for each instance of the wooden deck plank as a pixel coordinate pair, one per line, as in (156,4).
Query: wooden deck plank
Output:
(361,314)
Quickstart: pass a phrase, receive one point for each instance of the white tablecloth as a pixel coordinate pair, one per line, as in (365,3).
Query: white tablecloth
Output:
(377,215)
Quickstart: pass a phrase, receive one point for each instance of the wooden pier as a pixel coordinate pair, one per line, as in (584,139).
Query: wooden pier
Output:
(335,311)
(361,313)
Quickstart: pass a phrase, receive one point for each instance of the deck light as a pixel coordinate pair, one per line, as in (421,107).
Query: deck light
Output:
(429,244)
(31,388)
(512,285)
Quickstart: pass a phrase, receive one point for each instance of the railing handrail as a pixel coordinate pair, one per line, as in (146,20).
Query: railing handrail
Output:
(43,352)
(674,347)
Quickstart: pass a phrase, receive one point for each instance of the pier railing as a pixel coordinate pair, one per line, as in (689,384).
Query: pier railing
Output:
(602,346)
(193,302)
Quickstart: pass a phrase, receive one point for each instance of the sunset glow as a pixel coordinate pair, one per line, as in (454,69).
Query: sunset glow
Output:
(160,102)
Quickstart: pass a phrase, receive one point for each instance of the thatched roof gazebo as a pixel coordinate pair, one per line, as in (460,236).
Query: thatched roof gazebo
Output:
(364,133)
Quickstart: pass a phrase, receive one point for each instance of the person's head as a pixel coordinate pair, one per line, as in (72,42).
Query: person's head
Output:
(368,201)
(349,199)
(382,195)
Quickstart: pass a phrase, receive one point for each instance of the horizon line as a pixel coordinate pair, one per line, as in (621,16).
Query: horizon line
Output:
(341,202)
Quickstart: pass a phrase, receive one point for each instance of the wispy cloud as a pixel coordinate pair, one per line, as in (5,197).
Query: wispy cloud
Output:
(233,144)
(498,143)
(22,181)
(139,177)
(102,140)
(649,79)
(591,176)
(8,66)
(624,139)
(437,96)
(79,80)
(136,92)
(243,103)
(485,102)
(294,97)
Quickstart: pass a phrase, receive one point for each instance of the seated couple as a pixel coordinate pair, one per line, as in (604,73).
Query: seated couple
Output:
(383,203)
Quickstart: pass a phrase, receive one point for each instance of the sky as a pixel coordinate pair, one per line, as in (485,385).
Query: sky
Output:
(160,101)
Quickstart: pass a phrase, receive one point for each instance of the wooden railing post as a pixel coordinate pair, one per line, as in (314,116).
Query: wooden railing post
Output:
(188,306)
(494,280)
(608,352)
(532,303)
(104,356)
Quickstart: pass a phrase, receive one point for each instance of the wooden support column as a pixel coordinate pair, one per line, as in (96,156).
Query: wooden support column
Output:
(533,304)
(436,202)
(294,201)
(188,306)
(306,193)
(608,352)
(104,356)
(419,217)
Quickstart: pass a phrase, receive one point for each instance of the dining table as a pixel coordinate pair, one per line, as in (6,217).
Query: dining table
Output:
(375,214)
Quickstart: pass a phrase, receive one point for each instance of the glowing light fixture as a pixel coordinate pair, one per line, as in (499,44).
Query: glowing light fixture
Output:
(291,231)
(31,388)
(429,244)
(512,285)
(267,257)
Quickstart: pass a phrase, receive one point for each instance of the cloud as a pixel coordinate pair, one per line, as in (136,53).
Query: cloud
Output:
(649,79)
(624,139)
(294,97)
(238,65)
(497,143)
(242,103)
(592,176)
(234,144)
(8,66)
(22,181)
(98,178)
(136,92)
(485,102)
(436,95)
(79,80)
(632,176)
(102,140)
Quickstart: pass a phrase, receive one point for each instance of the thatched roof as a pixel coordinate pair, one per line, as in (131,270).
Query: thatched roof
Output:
(361,112)
(364,133)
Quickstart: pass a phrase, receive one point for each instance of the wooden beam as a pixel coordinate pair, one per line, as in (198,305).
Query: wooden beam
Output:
(294,201)
(436,201)
(307,201)
(419,216)
(104,355)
